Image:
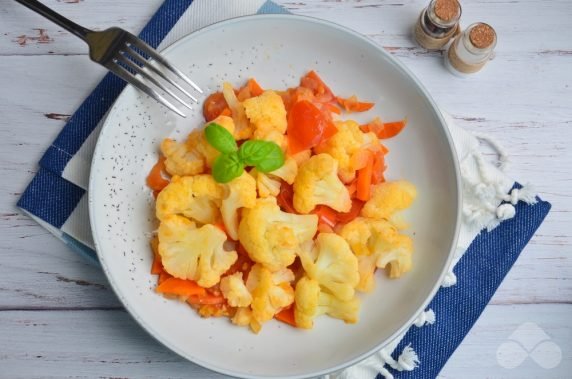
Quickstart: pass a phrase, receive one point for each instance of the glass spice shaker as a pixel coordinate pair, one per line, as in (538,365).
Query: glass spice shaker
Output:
(471,50)
(438,23)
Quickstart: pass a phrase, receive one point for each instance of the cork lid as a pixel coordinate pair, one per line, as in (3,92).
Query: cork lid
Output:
(447,10)
(482,36)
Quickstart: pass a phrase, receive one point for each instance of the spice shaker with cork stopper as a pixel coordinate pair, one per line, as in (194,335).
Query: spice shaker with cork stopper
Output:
(438,23)
(471,50)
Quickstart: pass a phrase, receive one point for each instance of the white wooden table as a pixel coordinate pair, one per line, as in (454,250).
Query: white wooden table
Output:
(58,316)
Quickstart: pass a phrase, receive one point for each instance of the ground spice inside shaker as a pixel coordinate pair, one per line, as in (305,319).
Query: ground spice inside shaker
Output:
(472,49)
(438,23)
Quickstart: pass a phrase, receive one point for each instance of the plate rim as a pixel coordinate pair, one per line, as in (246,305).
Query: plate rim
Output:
(444,129)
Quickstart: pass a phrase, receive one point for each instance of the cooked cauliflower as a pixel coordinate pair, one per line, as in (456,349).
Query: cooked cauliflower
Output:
(287,172)
(188,252)
(302,156)
(272,237)
(268,115)
(234,290)
(317,182)
(198,141)
(348,141)
(268,184)
(239,193)
(271,292)
(197,197)
(243,317)
(333,265)
(180,159)
(388,198)
(377,243)
(243,129)
(265,184)
(311,302)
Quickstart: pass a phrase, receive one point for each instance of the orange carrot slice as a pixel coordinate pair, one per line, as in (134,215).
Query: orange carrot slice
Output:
(207,299)
(384,130)
(155,179)
(363,189)
(286,316)
(181,287)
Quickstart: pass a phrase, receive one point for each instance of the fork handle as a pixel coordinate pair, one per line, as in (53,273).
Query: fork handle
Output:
(55,17)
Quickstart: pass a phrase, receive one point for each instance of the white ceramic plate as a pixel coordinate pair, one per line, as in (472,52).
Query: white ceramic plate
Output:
(277,50)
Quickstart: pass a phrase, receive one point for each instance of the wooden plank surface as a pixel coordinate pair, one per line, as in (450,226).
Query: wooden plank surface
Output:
(109,343)
(522,99)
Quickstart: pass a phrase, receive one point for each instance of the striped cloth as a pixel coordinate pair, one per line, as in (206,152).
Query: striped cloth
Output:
(499,216)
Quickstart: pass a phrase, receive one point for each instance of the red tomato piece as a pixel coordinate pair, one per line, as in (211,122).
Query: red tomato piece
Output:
(321,91)
(344,218)
(307,126)
(326,215)
(285,198)
(214,106)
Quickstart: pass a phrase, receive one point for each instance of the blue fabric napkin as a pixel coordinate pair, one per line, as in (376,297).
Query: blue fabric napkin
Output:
(57,199)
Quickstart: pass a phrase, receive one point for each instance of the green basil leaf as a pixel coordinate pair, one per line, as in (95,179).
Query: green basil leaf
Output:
(220,138)
(253,152)
(266,156)
(227,167)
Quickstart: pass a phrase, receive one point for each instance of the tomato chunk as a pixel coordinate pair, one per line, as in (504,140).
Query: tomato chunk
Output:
(285,198)
(307,127)
(214,106)
(344,218)
(321,91)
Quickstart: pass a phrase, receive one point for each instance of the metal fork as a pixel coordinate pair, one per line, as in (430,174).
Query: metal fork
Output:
(124,54)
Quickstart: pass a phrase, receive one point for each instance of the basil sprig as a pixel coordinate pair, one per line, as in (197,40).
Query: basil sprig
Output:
(266,156)
(227,167)
(220,138)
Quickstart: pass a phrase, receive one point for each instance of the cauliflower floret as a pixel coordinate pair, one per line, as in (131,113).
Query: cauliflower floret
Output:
(198,141)
(243,129)
(234,290)
(287,172)
(268,184)
(348,141)
(271,292)
(224,121)
(311,302)
(188,252)
(197,197)
(317,182)
(377,243)
(388,198)
(274,136)
(334,267)
(239,193)
(268,115)
(242,317)
(302,156)
(272,237)
(180,159)
(265,184)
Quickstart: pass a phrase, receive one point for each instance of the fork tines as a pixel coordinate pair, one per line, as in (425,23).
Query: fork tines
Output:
(130,64)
